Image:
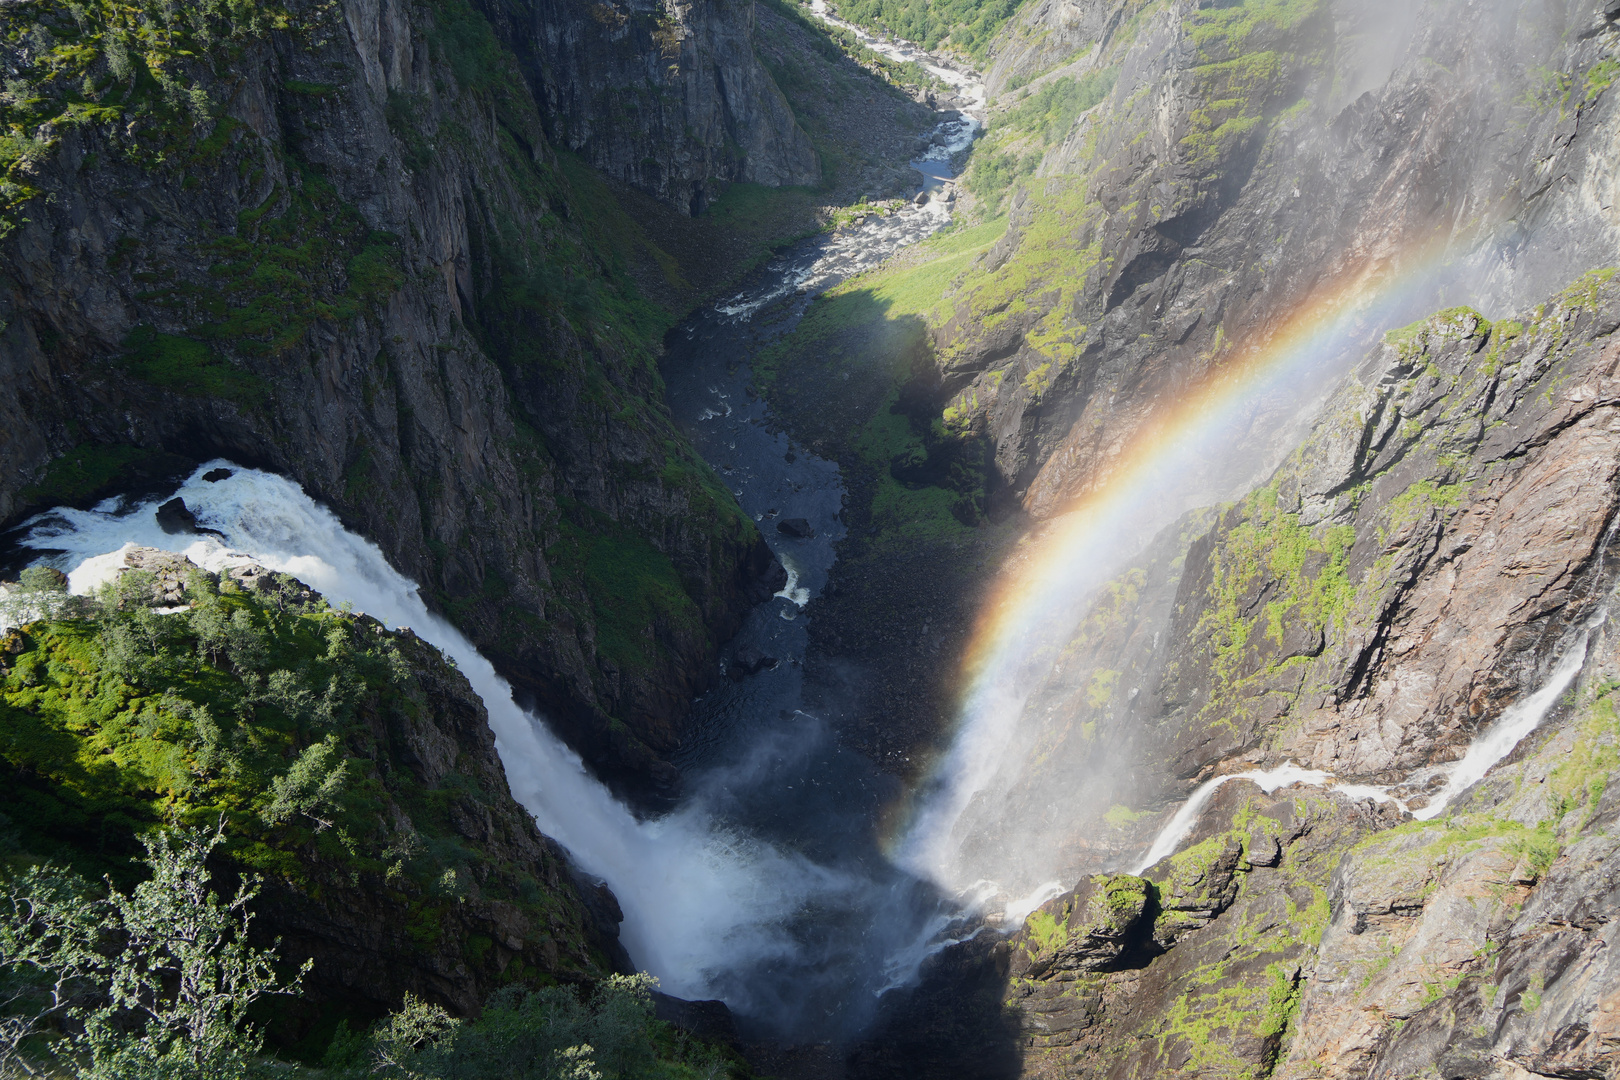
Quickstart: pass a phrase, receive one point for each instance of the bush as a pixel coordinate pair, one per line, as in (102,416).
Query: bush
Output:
(558,1033)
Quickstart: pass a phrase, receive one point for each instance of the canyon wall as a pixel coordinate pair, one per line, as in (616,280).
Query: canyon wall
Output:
(1246,161)
(1438,550)
(351,767)
(352,243)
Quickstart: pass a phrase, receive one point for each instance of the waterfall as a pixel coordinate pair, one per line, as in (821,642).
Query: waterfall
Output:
(699,900)
(1518,720)
(1268,780)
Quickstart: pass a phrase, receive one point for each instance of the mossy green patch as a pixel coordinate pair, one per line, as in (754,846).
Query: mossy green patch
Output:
(96,63)
(246,707)
(190,367)
(637,598)
(90,470)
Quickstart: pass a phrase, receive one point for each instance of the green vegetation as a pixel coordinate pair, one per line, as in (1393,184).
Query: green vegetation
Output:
(637,598)
(160,983)
(1012,149)
(964,26)
(555,1033)
(1600,76)
(303,256)
(152,984)
(1052,109)
(93,469)
(1415,339)
(834,42)
(1119,817)
(190,367)
(1269,545)
(1579,780)
(1048,271)
(312,259)
(257,710)
(132,63)
(1240,87)
(1047,931)
(916,480)
(1250,985)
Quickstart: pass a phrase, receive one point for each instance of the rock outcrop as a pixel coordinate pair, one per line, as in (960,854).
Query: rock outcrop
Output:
(1248,161)
(336,241)
(415,872)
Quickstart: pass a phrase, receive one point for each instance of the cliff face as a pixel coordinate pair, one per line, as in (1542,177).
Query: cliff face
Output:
(1429,556)
(336,241)
(1248,161)
(668,97)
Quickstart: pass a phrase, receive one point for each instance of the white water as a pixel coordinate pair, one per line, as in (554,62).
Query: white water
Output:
(1268,780)
(698,901)
(1489,747)
(845,253)
(1520,719)
(792,590)
(966,84)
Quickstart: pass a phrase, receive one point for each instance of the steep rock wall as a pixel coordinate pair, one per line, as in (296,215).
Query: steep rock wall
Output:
(338,244)
(414,870)
(1425,559)
(1249,161)
(666,96)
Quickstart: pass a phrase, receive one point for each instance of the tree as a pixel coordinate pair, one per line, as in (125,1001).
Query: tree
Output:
(165,972)
(309,787)
(40,593)
(47,936)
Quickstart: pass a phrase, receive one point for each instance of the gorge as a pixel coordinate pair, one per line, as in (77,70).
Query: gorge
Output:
(1064,538)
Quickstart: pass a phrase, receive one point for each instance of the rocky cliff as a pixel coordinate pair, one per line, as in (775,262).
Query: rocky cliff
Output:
(352,243)
(1432,553)
(352,767)
(1246,160)
(668,97)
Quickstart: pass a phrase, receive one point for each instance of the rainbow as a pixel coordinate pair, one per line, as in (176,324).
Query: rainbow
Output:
(1043,588)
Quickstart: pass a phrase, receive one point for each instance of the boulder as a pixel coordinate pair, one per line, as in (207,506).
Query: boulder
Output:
(1089,929)
(176,518)
(796,527)
(750,660)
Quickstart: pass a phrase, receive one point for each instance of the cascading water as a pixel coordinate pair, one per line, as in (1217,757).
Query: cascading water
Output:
(699,899)
(1216,441)
(1268,780)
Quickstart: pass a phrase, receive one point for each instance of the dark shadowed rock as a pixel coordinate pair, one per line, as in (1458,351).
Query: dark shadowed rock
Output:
(176,518)
(711,1021)
(797,527)
(750,660)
